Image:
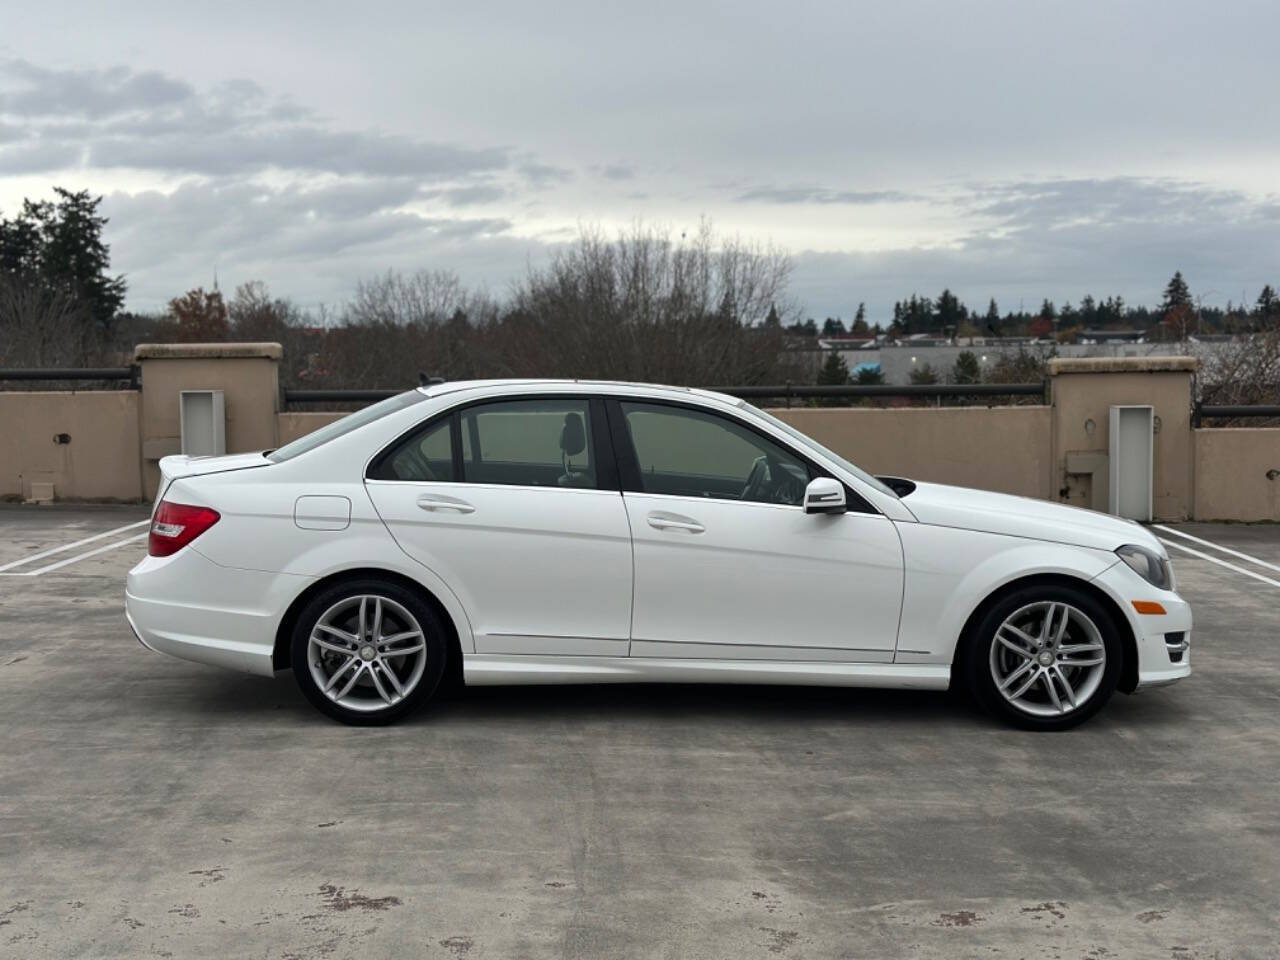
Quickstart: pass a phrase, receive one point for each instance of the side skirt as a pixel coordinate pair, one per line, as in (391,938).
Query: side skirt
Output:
(483,669)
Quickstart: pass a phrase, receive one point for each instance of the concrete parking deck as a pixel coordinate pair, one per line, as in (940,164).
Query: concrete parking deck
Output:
(156,808)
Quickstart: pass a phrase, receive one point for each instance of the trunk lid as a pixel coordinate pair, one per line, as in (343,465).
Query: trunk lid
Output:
(178,466)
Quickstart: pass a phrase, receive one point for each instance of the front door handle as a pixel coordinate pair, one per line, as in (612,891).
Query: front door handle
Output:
(436,502)
(674,521)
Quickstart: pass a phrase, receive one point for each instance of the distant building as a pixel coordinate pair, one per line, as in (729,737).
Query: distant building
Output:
(1111,336)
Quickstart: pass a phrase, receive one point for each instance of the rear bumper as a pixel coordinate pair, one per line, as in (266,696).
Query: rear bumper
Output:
(190,607)
(1163,640)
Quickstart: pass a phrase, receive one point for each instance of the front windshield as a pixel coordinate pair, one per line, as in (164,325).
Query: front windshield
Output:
(813,444)
(340,427)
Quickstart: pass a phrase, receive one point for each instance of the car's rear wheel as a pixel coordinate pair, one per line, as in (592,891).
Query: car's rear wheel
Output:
(1045,657)
(367,652)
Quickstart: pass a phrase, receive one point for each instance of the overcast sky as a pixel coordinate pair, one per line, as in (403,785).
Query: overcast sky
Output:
(1015,150)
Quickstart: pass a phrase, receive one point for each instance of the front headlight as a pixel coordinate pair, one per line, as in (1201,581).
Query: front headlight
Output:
(1147,564)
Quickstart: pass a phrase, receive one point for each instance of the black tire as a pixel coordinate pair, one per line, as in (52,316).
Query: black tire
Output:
(980,670)
(394,595)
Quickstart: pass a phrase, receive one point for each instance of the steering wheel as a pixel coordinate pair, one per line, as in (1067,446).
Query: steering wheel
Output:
(757,480)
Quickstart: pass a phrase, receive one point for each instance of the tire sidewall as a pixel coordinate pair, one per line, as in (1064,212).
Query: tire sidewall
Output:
(433,633)
(978,660)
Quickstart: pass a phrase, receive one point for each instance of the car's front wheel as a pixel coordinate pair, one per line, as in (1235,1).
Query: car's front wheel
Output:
(367,652)
(1045,657)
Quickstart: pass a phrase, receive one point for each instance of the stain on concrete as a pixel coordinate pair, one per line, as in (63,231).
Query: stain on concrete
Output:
(338,899)
(131,923)
(187,910)
(961,918)
(1055,908)
(329,823)
(458,946)
(781,940)
(1151,916)
(212,875)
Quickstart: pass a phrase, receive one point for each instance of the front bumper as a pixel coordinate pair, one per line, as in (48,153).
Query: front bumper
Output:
(1163,640)
(189,607)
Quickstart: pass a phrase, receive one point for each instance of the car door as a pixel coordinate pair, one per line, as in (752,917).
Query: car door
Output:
(515,505)
(728,564)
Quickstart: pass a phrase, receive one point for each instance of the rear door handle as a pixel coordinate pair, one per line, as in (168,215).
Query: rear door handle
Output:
(437,502)
(674,521)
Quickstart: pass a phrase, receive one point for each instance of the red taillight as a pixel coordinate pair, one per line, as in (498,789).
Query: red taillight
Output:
(177,524)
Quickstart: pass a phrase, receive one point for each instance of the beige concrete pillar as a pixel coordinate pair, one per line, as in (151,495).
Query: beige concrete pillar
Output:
(1083,390)
(246,373)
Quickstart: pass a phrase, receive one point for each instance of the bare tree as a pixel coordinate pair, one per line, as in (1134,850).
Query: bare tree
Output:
(44,327)
(1244,371)
(646,306)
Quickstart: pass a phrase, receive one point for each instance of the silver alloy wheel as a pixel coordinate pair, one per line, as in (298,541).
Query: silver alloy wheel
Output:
(367,653)
(1048,658)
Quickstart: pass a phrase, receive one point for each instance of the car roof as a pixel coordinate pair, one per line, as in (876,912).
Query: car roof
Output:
(601,386)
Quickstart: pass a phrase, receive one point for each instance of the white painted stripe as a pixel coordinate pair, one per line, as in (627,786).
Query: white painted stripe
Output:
(77,558)
(1217,546)
(70,546)
(1221,563)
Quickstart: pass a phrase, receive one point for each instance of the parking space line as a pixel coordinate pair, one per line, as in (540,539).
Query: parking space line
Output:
(1219,562)
(69,546)
(76,559)
(1217,546)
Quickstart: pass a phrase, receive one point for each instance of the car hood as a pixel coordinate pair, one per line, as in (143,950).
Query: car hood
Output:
(1002,513)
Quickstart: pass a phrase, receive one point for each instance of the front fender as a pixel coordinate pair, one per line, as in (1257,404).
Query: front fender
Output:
(949,572)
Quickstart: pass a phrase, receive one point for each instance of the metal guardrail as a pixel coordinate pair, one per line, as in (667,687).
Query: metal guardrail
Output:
(70,373)
(787,391)
(337,396)
(808,391)
(1211,411)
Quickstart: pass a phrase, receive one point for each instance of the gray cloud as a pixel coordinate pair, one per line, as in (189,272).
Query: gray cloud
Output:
(311,242)
(468,196)
(147,121)
(36,156)
(34,91)
(789,195)
(544,175)
(998,163)
(1063,239)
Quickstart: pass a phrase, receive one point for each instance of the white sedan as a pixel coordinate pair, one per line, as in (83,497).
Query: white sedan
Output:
(503,532)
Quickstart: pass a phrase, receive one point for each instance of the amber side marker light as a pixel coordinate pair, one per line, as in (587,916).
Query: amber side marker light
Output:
(1148,606)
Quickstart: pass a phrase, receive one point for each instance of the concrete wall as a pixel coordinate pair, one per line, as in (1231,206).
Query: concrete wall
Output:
(246,373)
(101,461)
(1237,474)
(1057,452)
(1083,392)
(1006,449)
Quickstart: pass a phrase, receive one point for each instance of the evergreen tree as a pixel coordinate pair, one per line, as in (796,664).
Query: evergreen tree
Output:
(57,245)
(834,373)
(1176,293)
(833,327)
(966,369)
(773,320)
(924,374)
(1268,303)
(950,311)
(834,370)
(869,376)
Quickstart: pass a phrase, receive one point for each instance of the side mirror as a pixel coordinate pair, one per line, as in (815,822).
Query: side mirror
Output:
(824,495)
